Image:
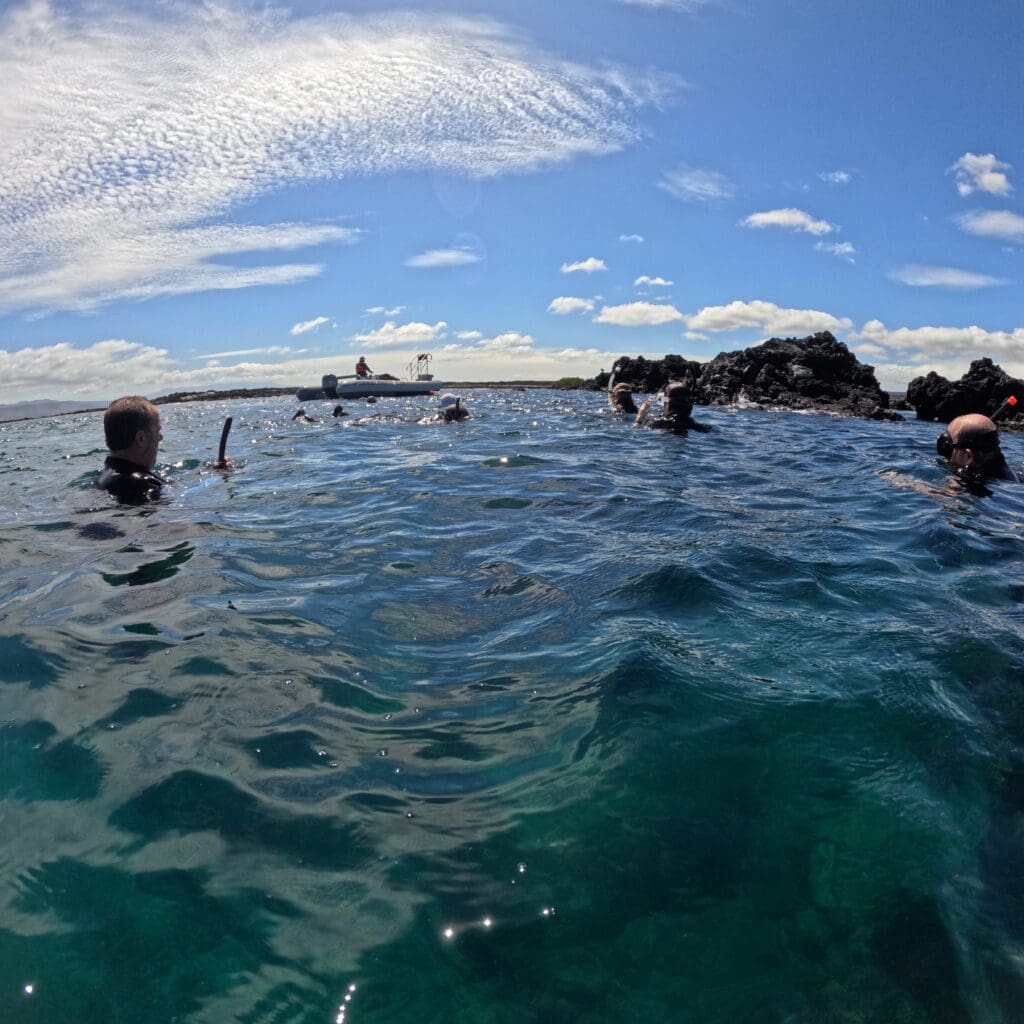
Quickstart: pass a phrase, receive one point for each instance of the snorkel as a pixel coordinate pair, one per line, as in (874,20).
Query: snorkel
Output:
(1008,403)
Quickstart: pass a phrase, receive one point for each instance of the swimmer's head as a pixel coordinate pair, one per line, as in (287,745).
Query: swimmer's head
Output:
(339,411)
(450,408)
(971,443)
(678,400)
(621,397)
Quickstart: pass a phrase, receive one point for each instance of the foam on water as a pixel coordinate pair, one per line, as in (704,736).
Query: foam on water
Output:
(530,718)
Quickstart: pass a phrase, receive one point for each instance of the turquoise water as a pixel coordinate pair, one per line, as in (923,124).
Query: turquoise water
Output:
(534,718)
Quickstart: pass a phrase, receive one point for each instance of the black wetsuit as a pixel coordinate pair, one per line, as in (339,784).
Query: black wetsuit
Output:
(129,483)
(678,425)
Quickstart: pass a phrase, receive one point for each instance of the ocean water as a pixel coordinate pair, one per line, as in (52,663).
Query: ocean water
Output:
(535,718)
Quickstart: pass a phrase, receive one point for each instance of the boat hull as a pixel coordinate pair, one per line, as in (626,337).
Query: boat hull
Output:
(370,388)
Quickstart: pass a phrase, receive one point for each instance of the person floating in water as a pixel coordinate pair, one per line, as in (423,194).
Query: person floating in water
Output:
(450,409)
(362,369)
(338,411)
(131,427)
(676,412)
(620,398)
(303,417)
(970,445)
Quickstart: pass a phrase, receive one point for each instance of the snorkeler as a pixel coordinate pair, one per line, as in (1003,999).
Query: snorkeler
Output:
(620,398)
(338,411)
(970,445)
(303,417)
(450,409)
(131,427)
(676,412)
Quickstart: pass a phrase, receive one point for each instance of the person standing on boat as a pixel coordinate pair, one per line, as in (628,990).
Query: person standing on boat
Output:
(131,427)
(362,369)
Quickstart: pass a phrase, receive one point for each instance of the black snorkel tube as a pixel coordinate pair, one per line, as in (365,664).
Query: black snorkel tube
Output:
(221,461)
(1008,403)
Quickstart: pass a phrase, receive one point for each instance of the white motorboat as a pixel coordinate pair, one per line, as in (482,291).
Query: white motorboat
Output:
(379,385)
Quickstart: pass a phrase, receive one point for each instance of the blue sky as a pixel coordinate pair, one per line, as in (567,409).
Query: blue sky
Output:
(227,194)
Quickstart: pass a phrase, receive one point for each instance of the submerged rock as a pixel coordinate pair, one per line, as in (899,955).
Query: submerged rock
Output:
(816,373)
(981,389)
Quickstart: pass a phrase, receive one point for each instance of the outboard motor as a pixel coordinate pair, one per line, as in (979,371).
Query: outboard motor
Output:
(329,382)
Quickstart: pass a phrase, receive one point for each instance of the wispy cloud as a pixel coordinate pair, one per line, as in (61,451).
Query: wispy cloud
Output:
(686,6)
(842,250)
(390,335)
(943,277)
(269,350)
(993,224)
(696,185)
(566,304)
(631,238)
(469,335)
(457,257)
(384,311)
(587,266)
(765,317)
(638,314)
(127,132)
(839,177)
(305,326)
(791,219)
(643,281)
(977,172)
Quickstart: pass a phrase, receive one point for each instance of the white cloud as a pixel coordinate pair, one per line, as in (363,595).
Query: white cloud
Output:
(638,314)
(836,177)
(127,133)
(791,219)
(943,277)
(458,257)
(651,282)
(588,266)
(384,311)
(993,224)
(413,333)
(976,172)
(765,317)
(695,185)
(565,304)
(969,342)
(270,350)
(631,238)
(305,326)
(843,250)
(870,350)
(469,335)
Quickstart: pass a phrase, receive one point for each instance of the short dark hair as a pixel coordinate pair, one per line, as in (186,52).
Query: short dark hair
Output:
(124,418)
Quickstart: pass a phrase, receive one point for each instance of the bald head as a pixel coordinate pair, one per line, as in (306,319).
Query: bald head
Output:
(973,431)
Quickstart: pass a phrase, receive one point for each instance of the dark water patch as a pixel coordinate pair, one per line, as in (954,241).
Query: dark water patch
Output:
(20,662)
(355,698)
(34,768)
(118,926)
(513,461)
(203,666)
(189,801)
(296,749)
(142,628)
(155,571)
(511,503)
(141,703)
(679,589)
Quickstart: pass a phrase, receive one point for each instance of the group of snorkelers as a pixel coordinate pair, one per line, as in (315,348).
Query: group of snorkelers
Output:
(132,429)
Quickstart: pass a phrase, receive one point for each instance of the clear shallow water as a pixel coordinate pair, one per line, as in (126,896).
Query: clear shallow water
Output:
(723,728)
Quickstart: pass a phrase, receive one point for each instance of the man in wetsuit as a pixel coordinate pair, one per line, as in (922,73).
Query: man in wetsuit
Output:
(971,447)
(677,410)
(132,429)
(450,409)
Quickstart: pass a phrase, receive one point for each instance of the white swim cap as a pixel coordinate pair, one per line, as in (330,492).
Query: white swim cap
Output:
(446,401)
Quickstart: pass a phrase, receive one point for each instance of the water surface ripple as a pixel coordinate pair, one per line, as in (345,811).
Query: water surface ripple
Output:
(533,718)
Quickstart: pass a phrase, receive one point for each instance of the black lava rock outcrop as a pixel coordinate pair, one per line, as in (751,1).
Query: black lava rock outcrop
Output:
(981,389)
(815,373)
(648,375)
